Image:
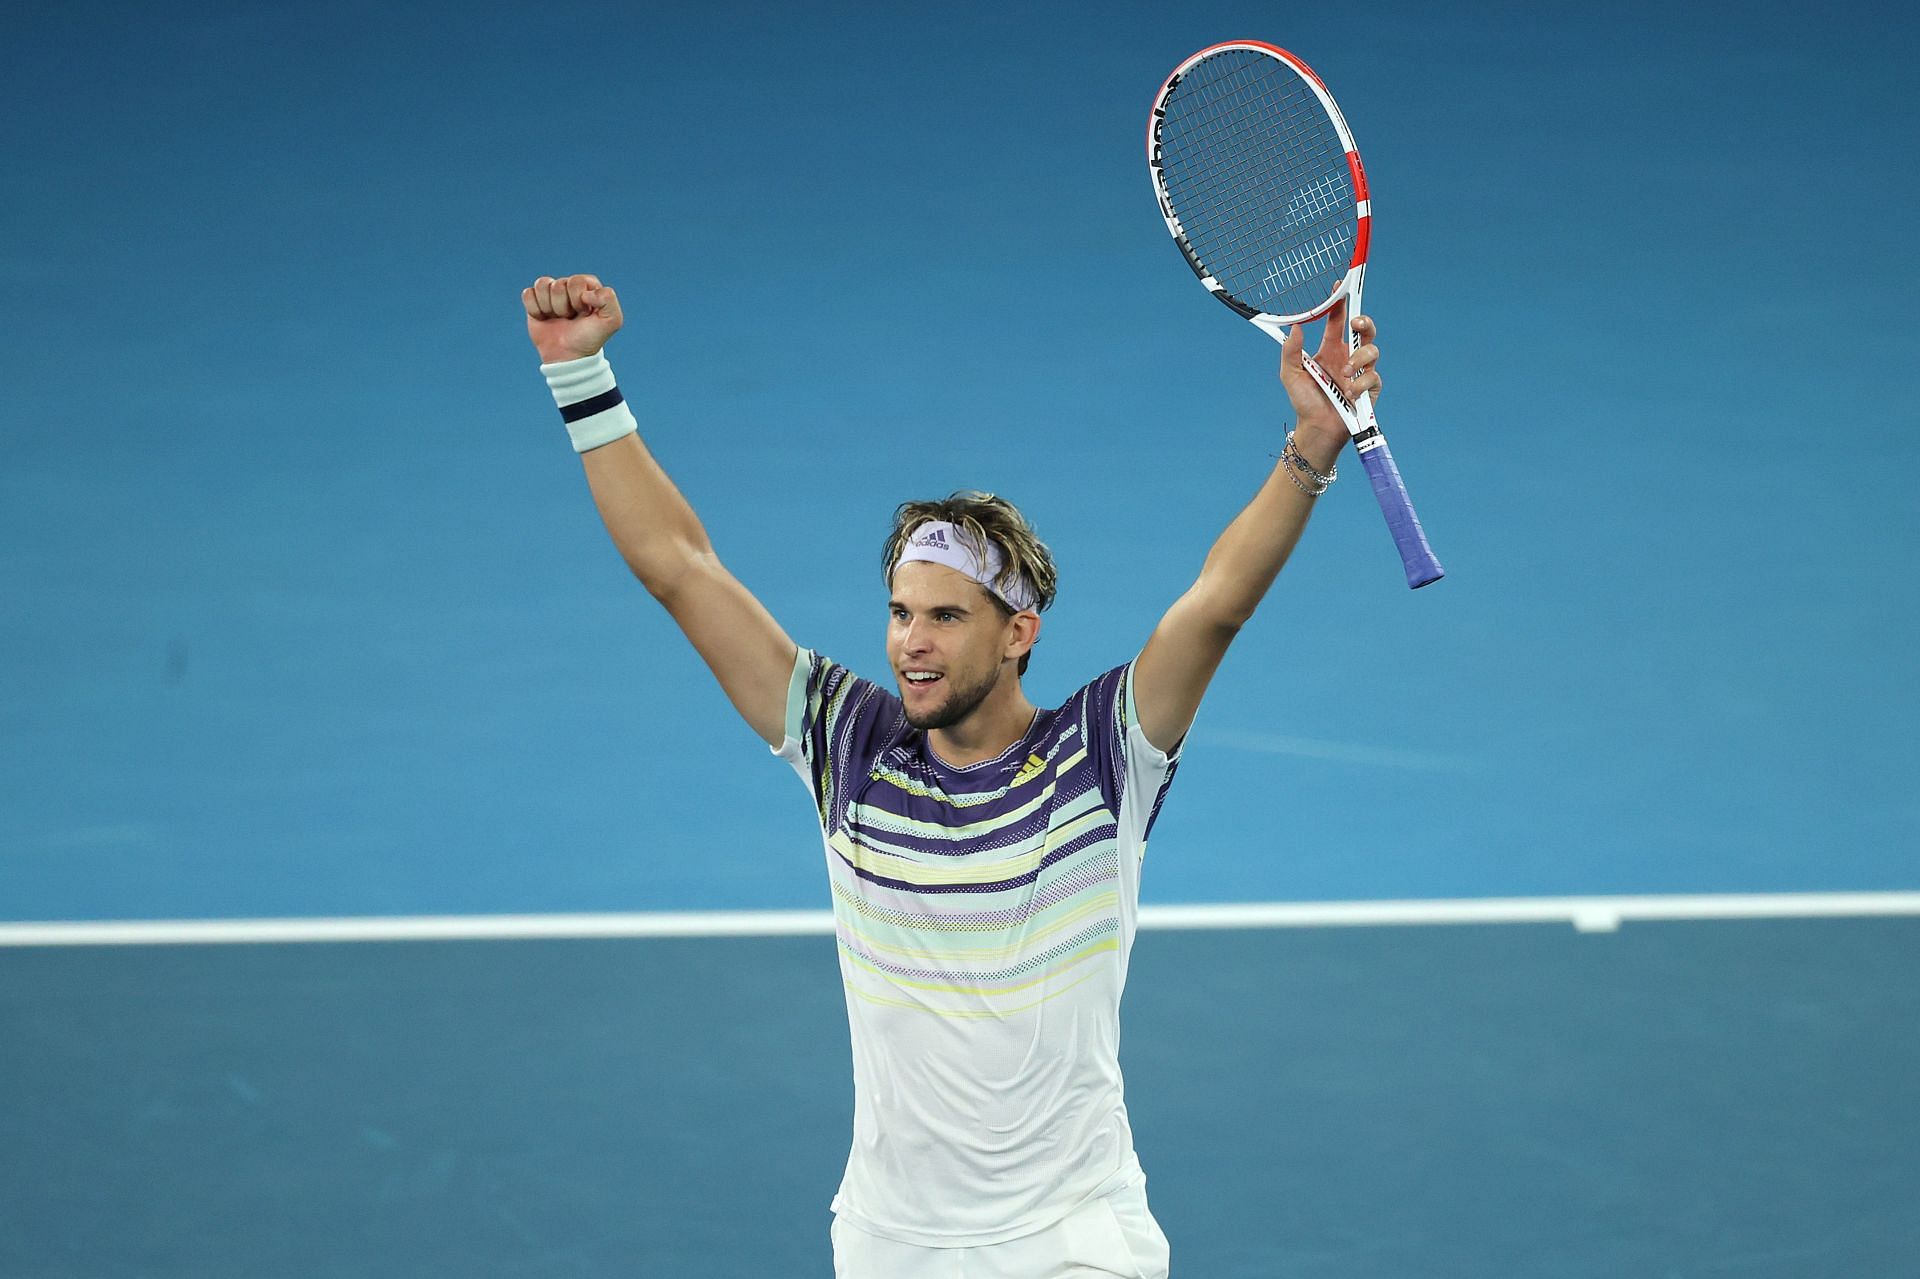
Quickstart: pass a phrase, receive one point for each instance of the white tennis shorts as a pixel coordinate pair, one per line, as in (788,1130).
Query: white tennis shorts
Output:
(1112,1235)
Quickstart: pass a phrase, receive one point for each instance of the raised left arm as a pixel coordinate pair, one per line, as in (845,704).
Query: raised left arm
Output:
(1185,649)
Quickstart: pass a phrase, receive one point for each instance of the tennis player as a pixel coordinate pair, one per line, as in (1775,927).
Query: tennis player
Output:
(983,854)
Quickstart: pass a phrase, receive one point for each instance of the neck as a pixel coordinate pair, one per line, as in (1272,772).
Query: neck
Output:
(995,724)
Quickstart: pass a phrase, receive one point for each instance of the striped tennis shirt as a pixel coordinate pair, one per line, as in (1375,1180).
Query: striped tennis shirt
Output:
(984,917)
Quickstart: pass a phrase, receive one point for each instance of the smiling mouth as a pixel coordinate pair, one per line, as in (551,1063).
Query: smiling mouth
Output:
(925,681)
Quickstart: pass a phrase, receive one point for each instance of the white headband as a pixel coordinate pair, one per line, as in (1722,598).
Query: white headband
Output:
(939,542)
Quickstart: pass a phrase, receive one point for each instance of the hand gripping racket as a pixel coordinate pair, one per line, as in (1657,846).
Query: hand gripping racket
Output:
(1261,185)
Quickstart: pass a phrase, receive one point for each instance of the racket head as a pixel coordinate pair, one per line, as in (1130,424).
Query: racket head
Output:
(1260,182)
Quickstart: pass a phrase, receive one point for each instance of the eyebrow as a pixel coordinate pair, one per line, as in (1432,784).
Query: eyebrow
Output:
(961,609)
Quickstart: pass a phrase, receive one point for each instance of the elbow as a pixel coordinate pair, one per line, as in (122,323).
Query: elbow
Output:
(662,586)
(1225,612)
(1227,626)
(669,572)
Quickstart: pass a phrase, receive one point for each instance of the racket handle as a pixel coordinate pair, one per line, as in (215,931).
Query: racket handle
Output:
(1415,555)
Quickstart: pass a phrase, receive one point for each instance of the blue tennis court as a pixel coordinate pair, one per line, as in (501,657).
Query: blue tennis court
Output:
(307,617)
(1677,1098)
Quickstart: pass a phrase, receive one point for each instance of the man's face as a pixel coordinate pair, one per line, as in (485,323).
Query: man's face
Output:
(943,624)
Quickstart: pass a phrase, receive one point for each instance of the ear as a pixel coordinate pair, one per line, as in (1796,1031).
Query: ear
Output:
(1023,634)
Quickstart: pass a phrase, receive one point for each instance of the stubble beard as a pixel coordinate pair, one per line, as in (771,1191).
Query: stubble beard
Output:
(960,703)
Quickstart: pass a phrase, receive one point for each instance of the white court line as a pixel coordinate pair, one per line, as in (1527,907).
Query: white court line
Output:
(1588,914)
(1334,752)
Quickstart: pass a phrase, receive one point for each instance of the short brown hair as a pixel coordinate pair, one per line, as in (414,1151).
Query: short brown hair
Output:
(985,518)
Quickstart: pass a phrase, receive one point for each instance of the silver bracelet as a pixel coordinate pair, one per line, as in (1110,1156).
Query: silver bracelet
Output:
(1293,463)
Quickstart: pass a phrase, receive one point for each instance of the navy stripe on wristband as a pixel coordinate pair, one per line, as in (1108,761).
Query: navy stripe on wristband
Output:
(589,400)
(588,407)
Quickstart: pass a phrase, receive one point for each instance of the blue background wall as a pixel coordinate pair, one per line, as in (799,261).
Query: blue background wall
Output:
(304,607)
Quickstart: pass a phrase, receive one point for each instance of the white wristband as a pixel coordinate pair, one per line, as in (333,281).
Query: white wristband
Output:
(590,401)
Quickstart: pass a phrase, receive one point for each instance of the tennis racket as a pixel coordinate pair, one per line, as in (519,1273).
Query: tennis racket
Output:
(1261,186)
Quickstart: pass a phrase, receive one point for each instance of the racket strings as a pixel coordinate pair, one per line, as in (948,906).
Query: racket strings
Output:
(1257,175)
(1246,140)
(1238,204)
(1217,122)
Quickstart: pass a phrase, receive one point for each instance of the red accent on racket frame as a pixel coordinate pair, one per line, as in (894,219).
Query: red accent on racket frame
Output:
(1360,239)
(1290,59)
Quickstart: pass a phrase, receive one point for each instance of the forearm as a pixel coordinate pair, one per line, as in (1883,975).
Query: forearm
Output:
(655,530)
(1249,555)
(651,524)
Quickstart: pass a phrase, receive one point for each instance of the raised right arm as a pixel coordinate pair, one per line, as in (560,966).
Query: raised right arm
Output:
(655,529)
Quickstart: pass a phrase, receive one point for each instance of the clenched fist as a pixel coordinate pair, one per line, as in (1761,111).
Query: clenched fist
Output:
(570,318)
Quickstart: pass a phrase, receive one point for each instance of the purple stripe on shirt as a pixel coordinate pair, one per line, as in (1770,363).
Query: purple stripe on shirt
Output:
(1100,832)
